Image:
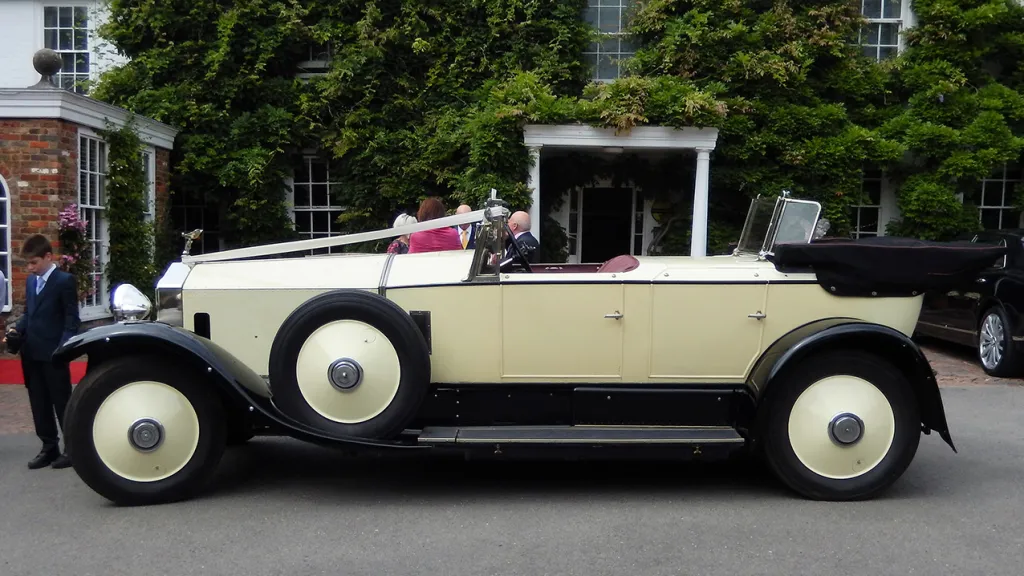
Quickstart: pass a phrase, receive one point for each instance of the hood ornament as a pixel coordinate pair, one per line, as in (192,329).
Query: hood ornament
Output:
(189,238)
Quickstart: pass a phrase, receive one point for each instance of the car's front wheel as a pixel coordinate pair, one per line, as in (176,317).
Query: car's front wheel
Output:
(995,347)
(840,426)
(142,430)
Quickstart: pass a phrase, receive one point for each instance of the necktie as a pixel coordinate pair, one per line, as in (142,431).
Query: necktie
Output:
(40,282)
(465,237)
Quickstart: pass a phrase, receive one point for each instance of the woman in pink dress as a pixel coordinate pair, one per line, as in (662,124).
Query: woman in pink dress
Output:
(437,239)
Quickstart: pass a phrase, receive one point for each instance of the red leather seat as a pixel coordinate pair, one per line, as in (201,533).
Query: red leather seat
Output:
(623,263)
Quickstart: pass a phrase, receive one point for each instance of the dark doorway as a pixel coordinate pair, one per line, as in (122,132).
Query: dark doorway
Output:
(606,226)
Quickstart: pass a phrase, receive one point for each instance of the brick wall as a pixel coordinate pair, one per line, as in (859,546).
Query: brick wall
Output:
(39,161)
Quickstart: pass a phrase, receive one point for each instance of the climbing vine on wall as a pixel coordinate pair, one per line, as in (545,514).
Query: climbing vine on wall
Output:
(427,97)
(131,236)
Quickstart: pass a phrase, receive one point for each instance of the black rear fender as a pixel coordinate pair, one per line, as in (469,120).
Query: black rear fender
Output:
(851,334)
(239,386)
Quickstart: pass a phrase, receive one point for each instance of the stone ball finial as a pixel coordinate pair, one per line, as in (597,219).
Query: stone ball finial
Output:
(47,62)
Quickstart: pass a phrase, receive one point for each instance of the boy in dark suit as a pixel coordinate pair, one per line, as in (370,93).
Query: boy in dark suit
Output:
(51,317)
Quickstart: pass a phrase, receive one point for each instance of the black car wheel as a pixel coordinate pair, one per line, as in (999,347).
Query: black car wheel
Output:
(350,363)
(995,346)
(144,430)
(841,425)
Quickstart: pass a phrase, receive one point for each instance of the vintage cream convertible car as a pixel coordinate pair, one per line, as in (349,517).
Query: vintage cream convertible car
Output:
(796,350)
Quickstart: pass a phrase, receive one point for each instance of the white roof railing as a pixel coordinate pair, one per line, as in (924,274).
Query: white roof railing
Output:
(478,216)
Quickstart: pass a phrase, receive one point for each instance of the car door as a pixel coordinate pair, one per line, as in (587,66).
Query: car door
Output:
(953,314)
(706,331)
(562,326)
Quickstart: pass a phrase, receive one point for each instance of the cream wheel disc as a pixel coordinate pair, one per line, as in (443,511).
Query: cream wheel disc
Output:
(348,371)
(841,427)
(145,431)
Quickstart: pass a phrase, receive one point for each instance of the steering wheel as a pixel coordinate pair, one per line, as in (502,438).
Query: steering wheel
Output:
(518,250)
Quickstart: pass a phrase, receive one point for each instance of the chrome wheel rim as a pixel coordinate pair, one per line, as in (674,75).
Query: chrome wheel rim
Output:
(990,346)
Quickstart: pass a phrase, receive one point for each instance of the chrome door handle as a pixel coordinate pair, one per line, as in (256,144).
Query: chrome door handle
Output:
(614,316)
(981,280)
(756,315)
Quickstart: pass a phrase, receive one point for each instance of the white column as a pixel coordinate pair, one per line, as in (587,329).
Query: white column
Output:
(534,185)
(699,230)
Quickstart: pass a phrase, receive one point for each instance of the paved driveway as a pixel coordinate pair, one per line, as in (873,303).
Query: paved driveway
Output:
(280,507)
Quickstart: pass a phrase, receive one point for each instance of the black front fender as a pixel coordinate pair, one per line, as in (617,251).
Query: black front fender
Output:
(239,384)
(849,333)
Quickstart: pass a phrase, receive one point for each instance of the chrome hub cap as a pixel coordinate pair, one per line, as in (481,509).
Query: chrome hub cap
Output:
(145,435)
(990,346)
(846,429)
(345,374)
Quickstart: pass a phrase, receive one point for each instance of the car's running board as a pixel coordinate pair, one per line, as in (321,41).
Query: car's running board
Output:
(595,435)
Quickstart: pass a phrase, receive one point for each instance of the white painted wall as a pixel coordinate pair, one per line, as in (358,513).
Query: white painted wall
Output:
(21,35)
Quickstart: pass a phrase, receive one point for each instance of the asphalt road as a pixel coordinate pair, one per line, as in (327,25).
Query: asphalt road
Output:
(284,508)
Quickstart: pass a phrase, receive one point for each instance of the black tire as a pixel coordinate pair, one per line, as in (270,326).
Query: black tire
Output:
(382,314)
(774,416)
(98,385)
(1009,364)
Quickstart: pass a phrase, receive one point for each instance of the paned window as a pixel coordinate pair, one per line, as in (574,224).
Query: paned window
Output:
(66,30)
(5,243)
(880,37)
(92,175)
(606,58)
(149,173)
(865,216)
(189,212)
(995,198)
(313,206)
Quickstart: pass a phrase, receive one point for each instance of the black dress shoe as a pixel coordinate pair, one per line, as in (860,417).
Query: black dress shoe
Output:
(62,461)
(43,459)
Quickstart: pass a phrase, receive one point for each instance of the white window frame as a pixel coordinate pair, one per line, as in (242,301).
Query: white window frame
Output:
(5,224)
(617,37)
(96,213)
(90,48)
(307,157)
(858,208)
(1006,204)
(317,63)
(904,21)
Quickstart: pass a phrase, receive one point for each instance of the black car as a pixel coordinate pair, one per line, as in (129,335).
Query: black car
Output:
(987,313)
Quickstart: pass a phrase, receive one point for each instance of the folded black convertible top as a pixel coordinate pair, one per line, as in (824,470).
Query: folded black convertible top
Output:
(886,265)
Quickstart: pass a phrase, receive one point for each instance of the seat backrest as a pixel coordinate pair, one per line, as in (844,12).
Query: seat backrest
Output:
(621,263)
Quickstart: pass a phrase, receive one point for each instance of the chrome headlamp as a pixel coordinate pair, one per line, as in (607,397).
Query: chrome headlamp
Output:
(128,303)
(168,295)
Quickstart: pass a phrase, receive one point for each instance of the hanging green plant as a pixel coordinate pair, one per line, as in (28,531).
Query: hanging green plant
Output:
(131,236)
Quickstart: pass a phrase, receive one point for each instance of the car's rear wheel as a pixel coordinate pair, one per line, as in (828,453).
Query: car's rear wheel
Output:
(840,426)
(142,430)
(995,346)
(350,363)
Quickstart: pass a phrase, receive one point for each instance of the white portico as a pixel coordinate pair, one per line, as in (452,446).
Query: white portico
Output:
(651,139)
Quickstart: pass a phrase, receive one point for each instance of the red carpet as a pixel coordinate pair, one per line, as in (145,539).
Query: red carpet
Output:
(10,372)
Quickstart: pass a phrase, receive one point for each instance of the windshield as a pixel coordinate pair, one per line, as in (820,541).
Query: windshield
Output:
(796,224)
(758,223)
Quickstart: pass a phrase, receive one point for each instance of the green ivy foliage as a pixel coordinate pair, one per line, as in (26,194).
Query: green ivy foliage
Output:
(425,97)
(961,111)
(131,237)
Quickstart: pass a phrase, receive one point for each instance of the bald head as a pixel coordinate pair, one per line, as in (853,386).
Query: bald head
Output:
(463,209)
(521,220)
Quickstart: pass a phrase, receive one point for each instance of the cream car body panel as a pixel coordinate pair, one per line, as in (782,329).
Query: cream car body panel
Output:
(521,327)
